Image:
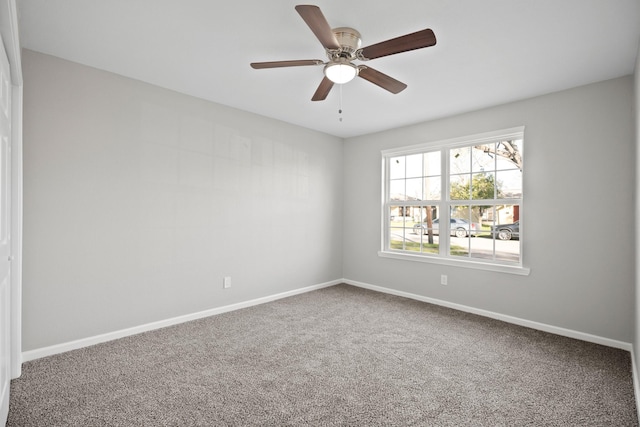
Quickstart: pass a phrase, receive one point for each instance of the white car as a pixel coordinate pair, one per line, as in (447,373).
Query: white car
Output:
(459,227)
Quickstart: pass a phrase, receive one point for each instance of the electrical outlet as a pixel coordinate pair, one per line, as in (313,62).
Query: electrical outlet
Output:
(226,283)
(443,279)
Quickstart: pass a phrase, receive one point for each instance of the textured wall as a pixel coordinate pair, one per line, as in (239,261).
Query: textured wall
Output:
(139,200)
(579,204)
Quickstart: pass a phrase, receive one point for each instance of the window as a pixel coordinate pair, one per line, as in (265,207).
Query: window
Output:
(456,202)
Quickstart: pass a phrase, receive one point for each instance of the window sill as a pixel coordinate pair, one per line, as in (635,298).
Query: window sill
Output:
(510,269)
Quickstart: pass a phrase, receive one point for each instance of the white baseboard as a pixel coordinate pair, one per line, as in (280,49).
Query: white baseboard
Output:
(86,342)
(509,319)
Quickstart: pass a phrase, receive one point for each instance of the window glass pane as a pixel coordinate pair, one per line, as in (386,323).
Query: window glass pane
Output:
(396,190)
(488,214)
(426,217)
(460,187)
(465,220)
(460,160)
(483,186)
(507,214)
(507,250)
(430,246)
(414,189)
(470,236)
(432,164)
(509,154)
(427,242)
(506,233)
(459,212)
(484,158)
(413,215)
(425,229)
(482,227)
(509,184)
(397,167)
(481,246)
(396,238)
(432,188)
(397,215)
(459,247)
(414,165)
(472,213)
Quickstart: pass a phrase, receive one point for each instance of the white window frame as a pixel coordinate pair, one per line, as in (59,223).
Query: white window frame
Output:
(444,238)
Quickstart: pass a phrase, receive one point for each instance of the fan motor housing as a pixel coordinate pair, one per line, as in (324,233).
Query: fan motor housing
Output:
(349,40)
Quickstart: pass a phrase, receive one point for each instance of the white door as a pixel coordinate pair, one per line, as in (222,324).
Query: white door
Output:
(5,283)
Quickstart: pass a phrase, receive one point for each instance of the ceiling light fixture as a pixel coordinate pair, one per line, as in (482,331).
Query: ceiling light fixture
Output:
(340,71)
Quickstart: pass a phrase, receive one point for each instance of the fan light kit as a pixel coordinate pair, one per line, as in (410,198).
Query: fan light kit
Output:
(342,46)
(341,71)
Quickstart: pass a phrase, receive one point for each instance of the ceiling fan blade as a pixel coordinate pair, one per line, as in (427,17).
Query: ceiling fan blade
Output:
(417,40)
(381,79)
(314,18)
(323,90)
(277,64)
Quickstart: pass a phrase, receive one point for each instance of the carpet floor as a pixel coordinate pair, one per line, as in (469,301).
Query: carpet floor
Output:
(337,356)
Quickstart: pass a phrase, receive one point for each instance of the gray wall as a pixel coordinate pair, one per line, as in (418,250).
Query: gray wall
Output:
(138,200)
(579,204)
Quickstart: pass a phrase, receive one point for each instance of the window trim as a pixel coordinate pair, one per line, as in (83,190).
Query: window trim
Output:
(448,144)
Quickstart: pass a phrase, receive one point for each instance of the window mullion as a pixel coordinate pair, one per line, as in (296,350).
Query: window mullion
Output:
(445,208)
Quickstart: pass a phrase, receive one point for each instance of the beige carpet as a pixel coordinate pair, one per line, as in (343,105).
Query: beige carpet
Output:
(337,356)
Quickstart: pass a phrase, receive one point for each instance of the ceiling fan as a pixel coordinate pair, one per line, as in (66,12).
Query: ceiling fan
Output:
(342,46)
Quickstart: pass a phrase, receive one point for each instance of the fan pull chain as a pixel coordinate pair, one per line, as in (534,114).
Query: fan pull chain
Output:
(340,105)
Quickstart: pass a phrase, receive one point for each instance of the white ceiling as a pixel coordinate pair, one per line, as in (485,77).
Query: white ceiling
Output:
(488,52)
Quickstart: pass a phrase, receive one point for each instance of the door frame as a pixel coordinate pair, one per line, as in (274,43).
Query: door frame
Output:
(10,36)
